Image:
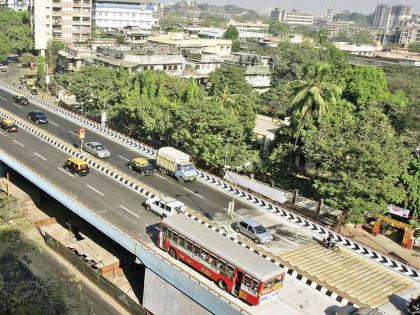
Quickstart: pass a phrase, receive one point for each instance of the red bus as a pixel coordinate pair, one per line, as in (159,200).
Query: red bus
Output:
(234,268)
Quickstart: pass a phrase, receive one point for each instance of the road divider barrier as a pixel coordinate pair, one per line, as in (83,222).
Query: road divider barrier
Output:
(270,206)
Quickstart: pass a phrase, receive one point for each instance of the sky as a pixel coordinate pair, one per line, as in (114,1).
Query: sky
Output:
(315,6)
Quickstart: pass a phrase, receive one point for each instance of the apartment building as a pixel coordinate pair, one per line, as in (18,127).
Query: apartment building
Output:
(16,5)
(389,17)
(112,14)
(68,21)
(292,17)
(250,27)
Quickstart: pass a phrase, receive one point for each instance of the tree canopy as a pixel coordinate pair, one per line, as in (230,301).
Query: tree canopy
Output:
(231,33)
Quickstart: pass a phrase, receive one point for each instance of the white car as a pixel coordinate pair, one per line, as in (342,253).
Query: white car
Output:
(96,149)
(164,206)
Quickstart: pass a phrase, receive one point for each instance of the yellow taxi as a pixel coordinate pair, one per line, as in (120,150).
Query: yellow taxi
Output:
(77,166)
(141,166)
(8,125)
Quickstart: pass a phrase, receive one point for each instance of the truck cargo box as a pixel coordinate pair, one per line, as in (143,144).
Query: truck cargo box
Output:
(173,155)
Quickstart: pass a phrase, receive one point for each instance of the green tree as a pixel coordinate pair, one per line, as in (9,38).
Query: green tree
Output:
(229,79)
(358,161)
(27,59)
(276,101)
(414,47)
(5,46)
(321,37)
(363,37)
(231,33)
(40,71)
(312,97)
(51,53)
(277,28)
(411,181)
(20,38)
(192,92)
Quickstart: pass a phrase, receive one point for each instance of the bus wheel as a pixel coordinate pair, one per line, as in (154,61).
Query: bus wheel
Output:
(172,253)
(222,285)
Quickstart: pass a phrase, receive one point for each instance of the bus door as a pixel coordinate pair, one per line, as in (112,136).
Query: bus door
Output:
(238,281)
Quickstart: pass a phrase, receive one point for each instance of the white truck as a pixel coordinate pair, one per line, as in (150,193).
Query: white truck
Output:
(176,163)
(164,206)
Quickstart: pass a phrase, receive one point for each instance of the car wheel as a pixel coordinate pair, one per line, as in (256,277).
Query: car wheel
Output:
(237,229)
(164,216)
(172,253)
(37,121)
(130,166)
(257,240)
(148,208)
(142,173)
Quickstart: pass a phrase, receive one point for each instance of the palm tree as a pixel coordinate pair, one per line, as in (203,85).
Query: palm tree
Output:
(312,97)
(321,37)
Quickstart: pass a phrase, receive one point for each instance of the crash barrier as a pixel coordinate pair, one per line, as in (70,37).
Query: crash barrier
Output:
(281,210)
(93,275)
(174,273)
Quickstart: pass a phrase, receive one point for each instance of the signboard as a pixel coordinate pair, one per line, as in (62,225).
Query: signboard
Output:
(82,133)
(398,211)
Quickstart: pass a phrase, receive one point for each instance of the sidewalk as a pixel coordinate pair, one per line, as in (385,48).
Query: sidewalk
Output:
(384,245)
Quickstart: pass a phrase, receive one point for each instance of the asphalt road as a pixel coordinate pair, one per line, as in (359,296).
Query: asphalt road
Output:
(98,192)
(196,195)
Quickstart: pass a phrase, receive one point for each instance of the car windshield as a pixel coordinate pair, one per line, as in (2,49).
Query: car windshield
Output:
(99,147)
(259,229)
(187,168)
(40,115)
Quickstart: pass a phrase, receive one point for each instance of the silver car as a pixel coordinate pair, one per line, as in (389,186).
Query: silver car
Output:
(96,149)
(254,230)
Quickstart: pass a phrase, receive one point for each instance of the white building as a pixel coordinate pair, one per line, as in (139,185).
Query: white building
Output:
(41,12)
(357,49)
(17,5)
(389,17)
(250,27)
(400,13)
(292,17)
(111,14)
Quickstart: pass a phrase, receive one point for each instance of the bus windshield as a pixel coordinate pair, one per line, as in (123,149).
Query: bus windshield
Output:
(274,283)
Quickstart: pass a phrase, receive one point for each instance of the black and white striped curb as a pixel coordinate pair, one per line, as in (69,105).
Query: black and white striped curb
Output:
(288,270)
(222,185)
(71,151)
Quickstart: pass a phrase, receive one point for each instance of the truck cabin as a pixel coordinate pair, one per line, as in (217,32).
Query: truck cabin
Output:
(185,167)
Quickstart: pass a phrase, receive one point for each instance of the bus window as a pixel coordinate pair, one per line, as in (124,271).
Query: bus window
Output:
(175,237)
(188,246)
(230,271)
(213,261)
(255,285)
(204,254)
(181,241)
(278,280)
(247,281)
(169,234)
(221,266)
(196,250)
(268,284)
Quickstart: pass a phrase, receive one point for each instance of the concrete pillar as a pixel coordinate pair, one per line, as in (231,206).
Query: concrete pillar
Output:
(295,195)
(320,204)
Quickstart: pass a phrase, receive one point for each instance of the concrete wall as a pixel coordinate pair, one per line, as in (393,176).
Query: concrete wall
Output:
(161,298)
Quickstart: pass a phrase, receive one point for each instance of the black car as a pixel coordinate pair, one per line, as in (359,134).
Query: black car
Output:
(38,116)
(141,166)
(20,99)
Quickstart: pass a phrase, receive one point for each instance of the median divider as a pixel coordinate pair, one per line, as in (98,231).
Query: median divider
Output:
(270,206)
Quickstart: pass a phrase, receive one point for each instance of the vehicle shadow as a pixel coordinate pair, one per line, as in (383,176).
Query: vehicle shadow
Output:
(399,303)
(339,310)
(153,232)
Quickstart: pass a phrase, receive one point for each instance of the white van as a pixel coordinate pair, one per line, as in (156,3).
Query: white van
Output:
(164,206)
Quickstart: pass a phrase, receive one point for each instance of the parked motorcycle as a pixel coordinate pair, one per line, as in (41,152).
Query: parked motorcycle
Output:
(414,306)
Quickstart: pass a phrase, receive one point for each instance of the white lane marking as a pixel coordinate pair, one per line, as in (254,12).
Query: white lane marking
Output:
(2,133)
(73,133)
(122,207)
(40,156)
(57,125)
(160,176)
(123,158)
(17,142)
(193,193)
(18,105)
(3,98)
(65,172)
(97,191)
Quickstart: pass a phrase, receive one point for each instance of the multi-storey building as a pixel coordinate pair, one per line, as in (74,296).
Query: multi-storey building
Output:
(292,17)
(390,17)
(111,14)
(64,20)
(249,27)
(382,16)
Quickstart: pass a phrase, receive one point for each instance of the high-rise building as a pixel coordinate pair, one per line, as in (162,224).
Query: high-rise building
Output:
(292,17)
(329,14)
(389,17)
(108,14)
(65,20)
(382,16)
